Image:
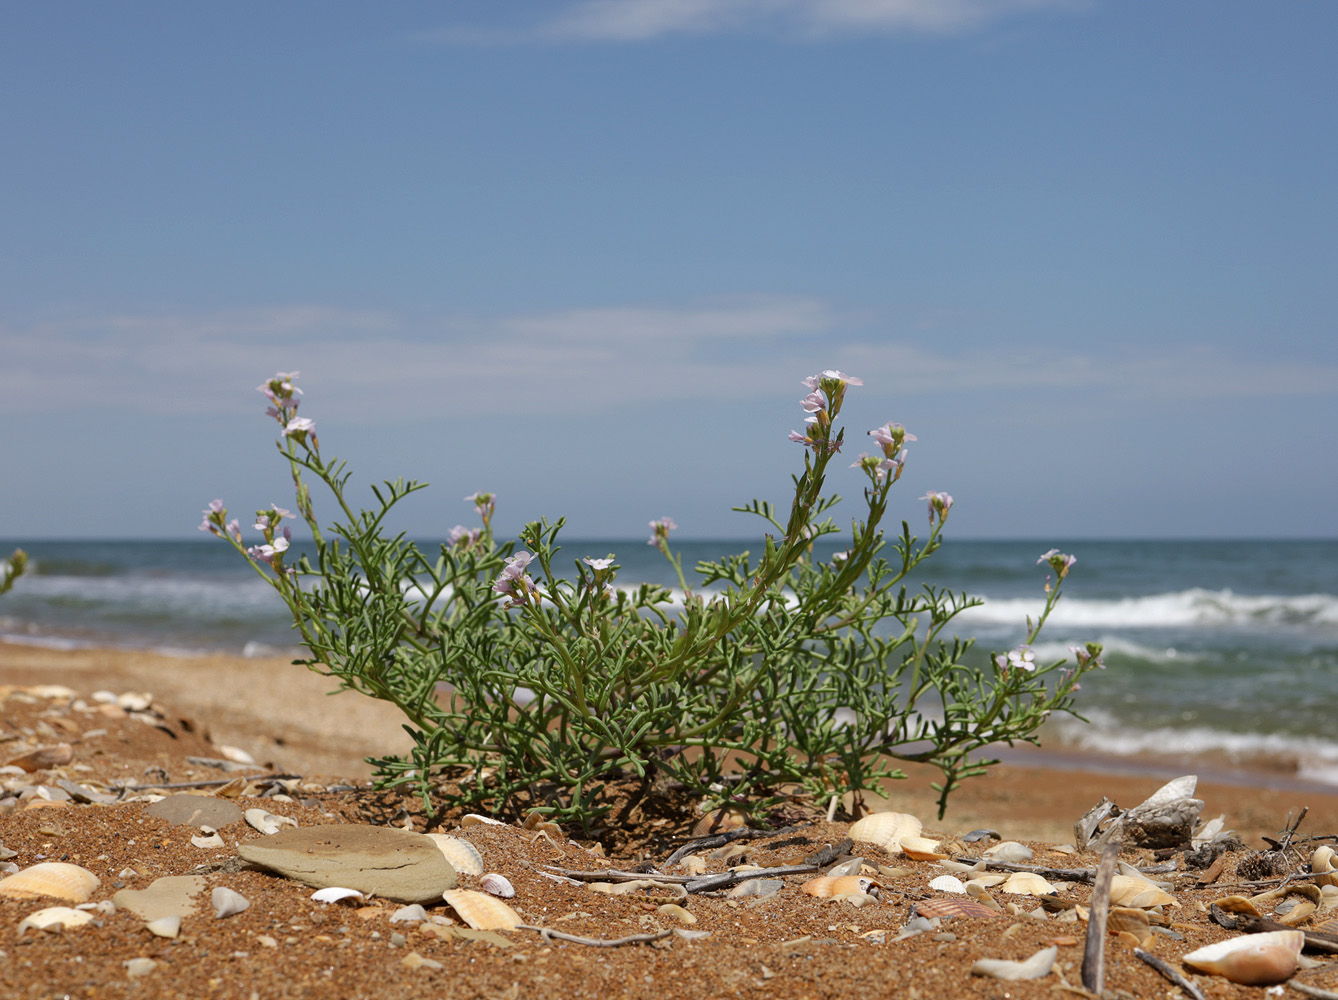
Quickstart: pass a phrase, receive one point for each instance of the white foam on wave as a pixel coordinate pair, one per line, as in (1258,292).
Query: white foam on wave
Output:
(1185,608)
(1117,646)
(1313,758)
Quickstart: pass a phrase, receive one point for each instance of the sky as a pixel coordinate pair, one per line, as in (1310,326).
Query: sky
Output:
(581,253)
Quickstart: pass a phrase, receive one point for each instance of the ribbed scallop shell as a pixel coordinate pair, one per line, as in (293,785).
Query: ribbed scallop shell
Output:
(51,878)
(481,911)
(921,849)
(886,829)
(1252,959)
(497,885)
(827,886)
(463,856)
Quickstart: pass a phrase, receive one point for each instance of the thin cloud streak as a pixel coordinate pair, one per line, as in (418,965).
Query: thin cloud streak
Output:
(571,361)
(634,21)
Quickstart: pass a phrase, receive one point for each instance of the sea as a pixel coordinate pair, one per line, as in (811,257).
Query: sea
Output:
(1226,650)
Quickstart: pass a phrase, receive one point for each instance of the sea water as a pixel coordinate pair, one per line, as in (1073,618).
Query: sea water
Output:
(1227,648)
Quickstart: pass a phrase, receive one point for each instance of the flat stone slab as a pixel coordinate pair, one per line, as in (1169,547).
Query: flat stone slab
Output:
(170,896)
(195,810)
(398,865)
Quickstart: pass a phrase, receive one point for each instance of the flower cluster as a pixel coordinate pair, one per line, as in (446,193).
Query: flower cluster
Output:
(276,540)
(1059,562)
(890,438)
(659,532)
(1022,658)
(214,517)
(826,393)
(283,396)
(465,538)
(939,503)
(514,582)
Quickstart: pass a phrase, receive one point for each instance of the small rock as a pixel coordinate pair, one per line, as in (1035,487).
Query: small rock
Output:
(136,967)
(394,864)
(165,927)
(413,960)
(195,810)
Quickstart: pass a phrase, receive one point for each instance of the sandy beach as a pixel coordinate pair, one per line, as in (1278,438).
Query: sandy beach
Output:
(284,715)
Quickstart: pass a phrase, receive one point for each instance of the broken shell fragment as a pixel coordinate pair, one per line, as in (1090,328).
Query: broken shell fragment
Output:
(1036,967)
(1251,960)
(165,927)
(1324,863)
(921,849)
(497,885)
(226,902)
(826,886)
(481,911)
(51,878)
(463,856)
(266,822)
(1026,884)
(886,829)
(335,894)
(55,917)
(1132,890)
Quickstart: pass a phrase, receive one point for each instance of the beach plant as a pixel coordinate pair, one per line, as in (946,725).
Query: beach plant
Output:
(528,681)
(12,568)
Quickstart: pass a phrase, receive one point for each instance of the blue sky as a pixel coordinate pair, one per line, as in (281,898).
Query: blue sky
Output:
(581,252)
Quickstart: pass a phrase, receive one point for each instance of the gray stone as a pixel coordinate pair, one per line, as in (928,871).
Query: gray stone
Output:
(380,861)
(172,895)
(195,810)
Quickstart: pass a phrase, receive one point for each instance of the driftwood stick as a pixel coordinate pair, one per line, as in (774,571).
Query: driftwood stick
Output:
(1063,874)
(693,883)
(721,839)
(1094,950)
(211,783)
(1312,991)
(548,934)
(1168,970)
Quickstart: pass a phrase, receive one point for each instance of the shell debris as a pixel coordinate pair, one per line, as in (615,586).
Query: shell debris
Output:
(55,918)
(1252,959)
(56,879)
(481,911)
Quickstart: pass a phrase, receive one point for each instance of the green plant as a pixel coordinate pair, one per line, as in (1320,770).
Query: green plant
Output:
(789,674)
(12,568)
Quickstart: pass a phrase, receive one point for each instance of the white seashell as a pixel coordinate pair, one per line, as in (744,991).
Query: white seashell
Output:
(1134,890)
(1251,959)
(1035,967)
(497,885)
(165,927)
(886,829)
(51,878)
(481,911)
(921,849)
(463,856)
(136,967)
(1026,884)
(474,819)
(413,913)
(947,883)
(226,902)
(213,840)
(1010,851)
(55,917)
(335,894)
(266,822)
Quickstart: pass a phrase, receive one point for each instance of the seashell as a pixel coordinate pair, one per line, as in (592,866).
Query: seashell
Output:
(975,835)
(1252,959)
(1133,890)
(693,864)
(165,927)
(226,902)
(946,907)
(947,883)
(411,914)
(55,917)
(759,888)
(497,885)
(537,822)
(826,886)
(51,878)
(1130,920)
(335,894)
(851,867)
(677,912)
(266,822)
(137,967)
(463,856)
(978,892)
(481,911)
(988,881)
(886,829)
(43,758)
(1026,884)
(921,849)
(210,841)
(1010,851)
(475,819)
(1324,863)
(1037,966)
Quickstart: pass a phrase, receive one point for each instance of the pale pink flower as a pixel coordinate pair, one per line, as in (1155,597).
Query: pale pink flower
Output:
(299,425)
(598,565)
(940,504)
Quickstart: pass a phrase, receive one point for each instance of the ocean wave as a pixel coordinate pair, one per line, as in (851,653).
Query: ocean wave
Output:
(1186,608)
(1311,757)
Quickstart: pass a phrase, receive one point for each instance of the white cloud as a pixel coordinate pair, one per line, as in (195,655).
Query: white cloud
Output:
(371,366)
(643,20)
